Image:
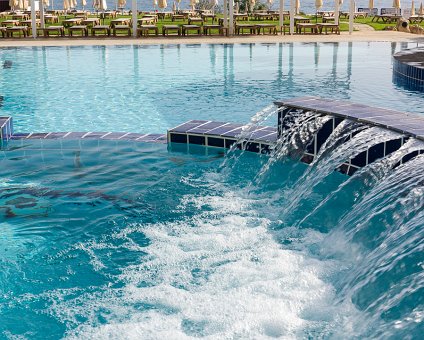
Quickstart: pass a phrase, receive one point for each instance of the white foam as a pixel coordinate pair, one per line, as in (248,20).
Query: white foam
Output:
(219,274)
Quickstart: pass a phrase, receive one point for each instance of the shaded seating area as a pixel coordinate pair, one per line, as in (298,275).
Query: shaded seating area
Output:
(177,22)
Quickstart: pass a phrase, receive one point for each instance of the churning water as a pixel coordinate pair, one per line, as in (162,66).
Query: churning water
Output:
(105,239)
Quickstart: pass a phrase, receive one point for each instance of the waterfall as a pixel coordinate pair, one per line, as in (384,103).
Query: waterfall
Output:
(380,225)
(246,134)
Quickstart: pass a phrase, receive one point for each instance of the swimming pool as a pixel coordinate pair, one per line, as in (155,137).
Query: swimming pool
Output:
(149,89)
(107,239)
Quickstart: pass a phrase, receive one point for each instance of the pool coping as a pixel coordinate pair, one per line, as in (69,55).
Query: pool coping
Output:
(362,36)
(405,123)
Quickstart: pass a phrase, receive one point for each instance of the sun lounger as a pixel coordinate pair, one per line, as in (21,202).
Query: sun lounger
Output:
(121,29)
(166,29)
(191,28)
(194,21)
(79,28)
(20,16)
(90,22)
(22,30)
(51,19)
(175,17)
(301,20)
(146,21)
(120,22)
(241,16)
(205,17)
(29,22)
(303,27)
(240,28)
(10,23)
(263,16)
(102,29)
(144,30)
(60,30)
(328,19)
(207,29)
(271,28)
(71,22)
(334,28)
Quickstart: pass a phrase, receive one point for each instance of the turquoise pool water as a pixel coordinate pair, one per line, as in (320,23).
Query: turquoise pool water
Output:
(151,88)
(104,239)
(122,240)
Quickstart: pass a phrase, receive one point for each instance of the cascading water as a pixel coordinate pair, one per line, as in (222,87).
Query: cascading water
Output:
(247,131)
(379,228)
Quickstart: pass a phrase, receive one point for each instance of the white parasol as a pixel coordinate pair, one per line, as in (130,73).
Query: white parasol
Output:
(66,5)
(162,4)
(396,4)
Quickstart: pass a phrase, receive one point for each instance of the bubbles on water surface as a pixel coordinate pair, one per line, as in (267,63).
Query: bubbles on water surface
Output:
(217,274)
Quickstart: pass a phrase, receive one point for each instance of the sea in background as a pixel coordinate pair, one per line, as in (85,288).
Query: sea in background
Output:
(306,6)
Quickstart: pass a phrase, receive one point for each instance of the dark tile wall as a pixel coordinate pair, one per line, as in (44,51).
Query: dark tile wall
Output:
(408,69)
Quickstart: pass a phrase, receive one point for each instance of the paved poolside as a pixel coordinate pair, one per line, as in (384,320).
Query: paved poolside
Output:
(387,36)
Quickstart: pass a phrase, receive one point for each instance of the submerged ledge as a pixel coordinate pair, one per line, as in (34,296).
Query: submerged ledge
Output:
(115,136)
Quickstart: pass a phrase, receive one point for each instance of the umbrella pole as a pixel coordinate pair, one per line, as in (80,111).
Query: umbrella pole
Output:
(292,9)
(281,13)
(231,28)
(336,12)
(226,14)
(134,17)
(33,20)
(41,5)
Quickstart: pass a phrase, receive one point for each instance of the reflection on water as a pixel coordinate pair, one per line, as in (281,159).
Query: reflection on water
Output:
(151,88)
